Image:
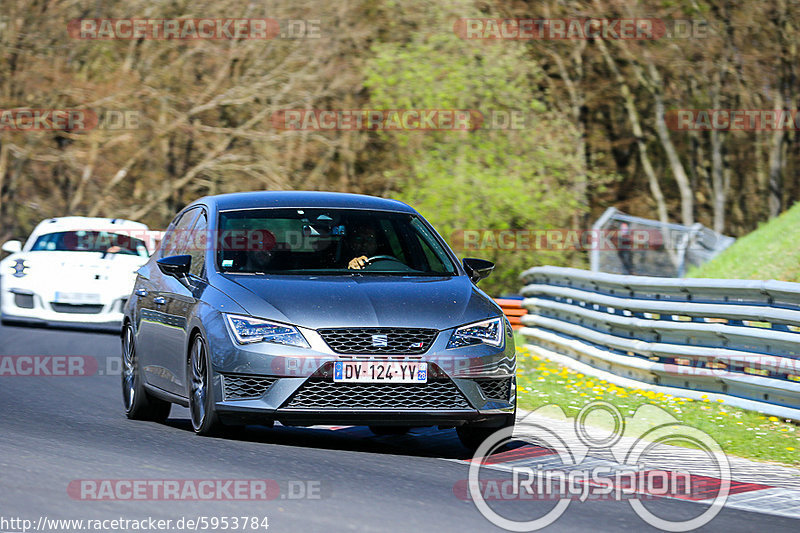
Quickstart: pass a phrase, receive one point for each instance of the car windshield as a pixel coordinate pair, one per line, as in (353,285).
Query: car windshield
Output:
(90,241)
(328,241)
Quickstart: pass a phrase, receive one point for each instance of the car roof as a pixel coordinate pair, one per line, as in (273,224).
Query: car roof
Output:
(303,199)
(52,225)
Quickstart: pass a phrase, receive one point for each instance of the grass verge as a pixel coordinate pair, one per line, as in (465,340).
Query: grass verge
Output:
(739,432)
(770,252)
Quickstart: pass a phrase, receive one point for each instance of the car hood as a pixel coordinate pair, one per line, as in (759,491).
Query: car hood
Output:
(363,300)
(66,265)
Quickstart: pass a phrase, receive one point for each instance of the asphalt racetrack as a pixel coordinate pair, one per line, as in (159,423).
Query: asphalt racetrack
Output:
(56,431)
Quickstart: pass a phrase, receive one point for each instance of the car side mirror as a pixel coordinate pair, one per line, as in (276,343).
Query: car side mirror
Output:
(477,269)
(12,247)
(175,265)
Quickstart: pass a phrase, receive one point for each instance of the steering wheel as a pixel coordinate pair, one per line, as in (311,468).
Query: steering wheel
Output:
(381,257)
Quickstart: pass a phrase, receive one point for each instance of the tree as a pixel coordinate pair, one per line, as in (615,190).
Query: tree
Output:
(487,179)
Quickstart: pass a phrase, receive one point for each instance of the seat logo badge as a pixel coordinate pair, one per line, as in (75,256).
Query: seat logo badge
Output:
(380,340)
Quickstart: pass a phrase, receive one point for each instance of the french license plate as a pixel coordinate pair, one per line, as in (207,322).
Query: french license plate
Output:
(380,372)
(77,298)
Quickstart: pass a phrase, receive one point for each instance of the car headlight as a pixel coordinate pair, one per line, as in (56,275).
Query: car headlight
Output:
(248,330)
(484,332)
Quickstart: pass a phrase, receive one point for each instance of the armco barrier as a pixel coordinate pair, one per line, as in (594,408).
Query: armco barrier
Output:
(736,338)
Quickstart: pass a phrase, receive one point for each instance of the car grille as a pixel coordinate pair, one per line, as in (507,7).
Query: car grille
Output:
(325,394)
(77,309)
(408,341)
(23,301)
(495,388)
(239,387)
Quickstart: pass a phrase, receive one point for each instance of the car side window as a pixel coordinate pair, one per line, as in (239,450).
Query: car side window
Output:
(178,239)
(430,247)
(199,242)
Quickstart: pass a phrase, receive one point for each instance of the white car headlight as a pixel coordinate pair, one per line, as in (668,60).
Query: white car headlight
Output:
(484,332)
(248,330)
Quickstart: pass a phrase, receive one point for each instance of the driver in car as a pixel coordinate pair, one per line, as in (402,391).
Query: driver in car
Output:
(362,240)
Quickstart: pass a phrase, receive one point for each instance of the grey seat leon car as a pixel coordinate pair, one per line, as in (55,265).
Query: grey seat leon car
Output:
(315,308)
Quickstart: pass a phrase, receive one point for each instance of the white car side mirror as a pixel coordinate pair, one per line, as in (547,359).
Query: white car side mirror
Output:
(12,247)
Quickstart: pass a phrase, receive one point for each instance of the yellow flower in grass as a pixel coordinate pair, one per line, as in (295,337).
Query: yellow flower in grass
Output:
(790,448)
(774,419)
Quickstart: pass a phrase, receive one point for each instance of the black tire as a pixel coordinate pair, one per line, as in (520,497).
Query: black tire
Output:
(203,414)
(472,436)
(389,430)
(139,404)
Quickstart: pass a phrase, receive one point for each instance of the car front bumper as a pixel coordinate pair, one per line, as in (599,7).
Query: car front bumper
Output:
(288,400)
(30,306)
(262,382)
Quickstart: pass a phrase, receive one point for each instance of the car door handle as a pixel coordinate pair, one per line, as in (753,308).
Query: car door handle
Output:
(141,292)
(159,300)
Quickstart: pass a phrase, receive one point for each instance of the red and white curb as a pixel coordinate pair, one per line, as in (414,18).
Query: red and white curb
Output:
(756,487)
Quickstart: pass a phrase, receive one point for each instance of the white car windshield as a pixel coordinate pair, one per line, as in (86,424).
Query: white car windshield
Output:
(90,241)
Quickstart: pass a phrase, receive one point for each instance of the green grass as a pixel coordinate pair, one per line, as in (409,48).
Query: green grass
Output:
(739,432)
(770,252)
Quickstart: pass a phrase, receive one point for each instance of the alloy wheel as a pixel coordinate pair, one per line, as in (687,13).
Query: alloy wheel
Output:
(199,383)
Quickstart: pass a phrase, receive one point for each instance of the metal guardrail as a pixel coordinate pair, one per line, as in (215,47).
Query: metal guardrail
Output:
(736,338)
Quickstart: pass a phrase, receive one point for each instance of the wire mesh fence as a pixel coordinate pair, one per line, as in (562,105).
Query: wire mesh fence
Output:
(651,248)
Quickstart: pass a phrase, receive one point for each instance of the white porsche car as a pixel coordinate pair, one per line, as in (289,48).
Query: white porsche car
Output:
(73,270)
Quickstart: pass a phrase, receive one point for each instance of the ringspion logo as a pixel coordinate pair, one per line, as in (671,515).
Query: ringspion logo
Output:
(570,474)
